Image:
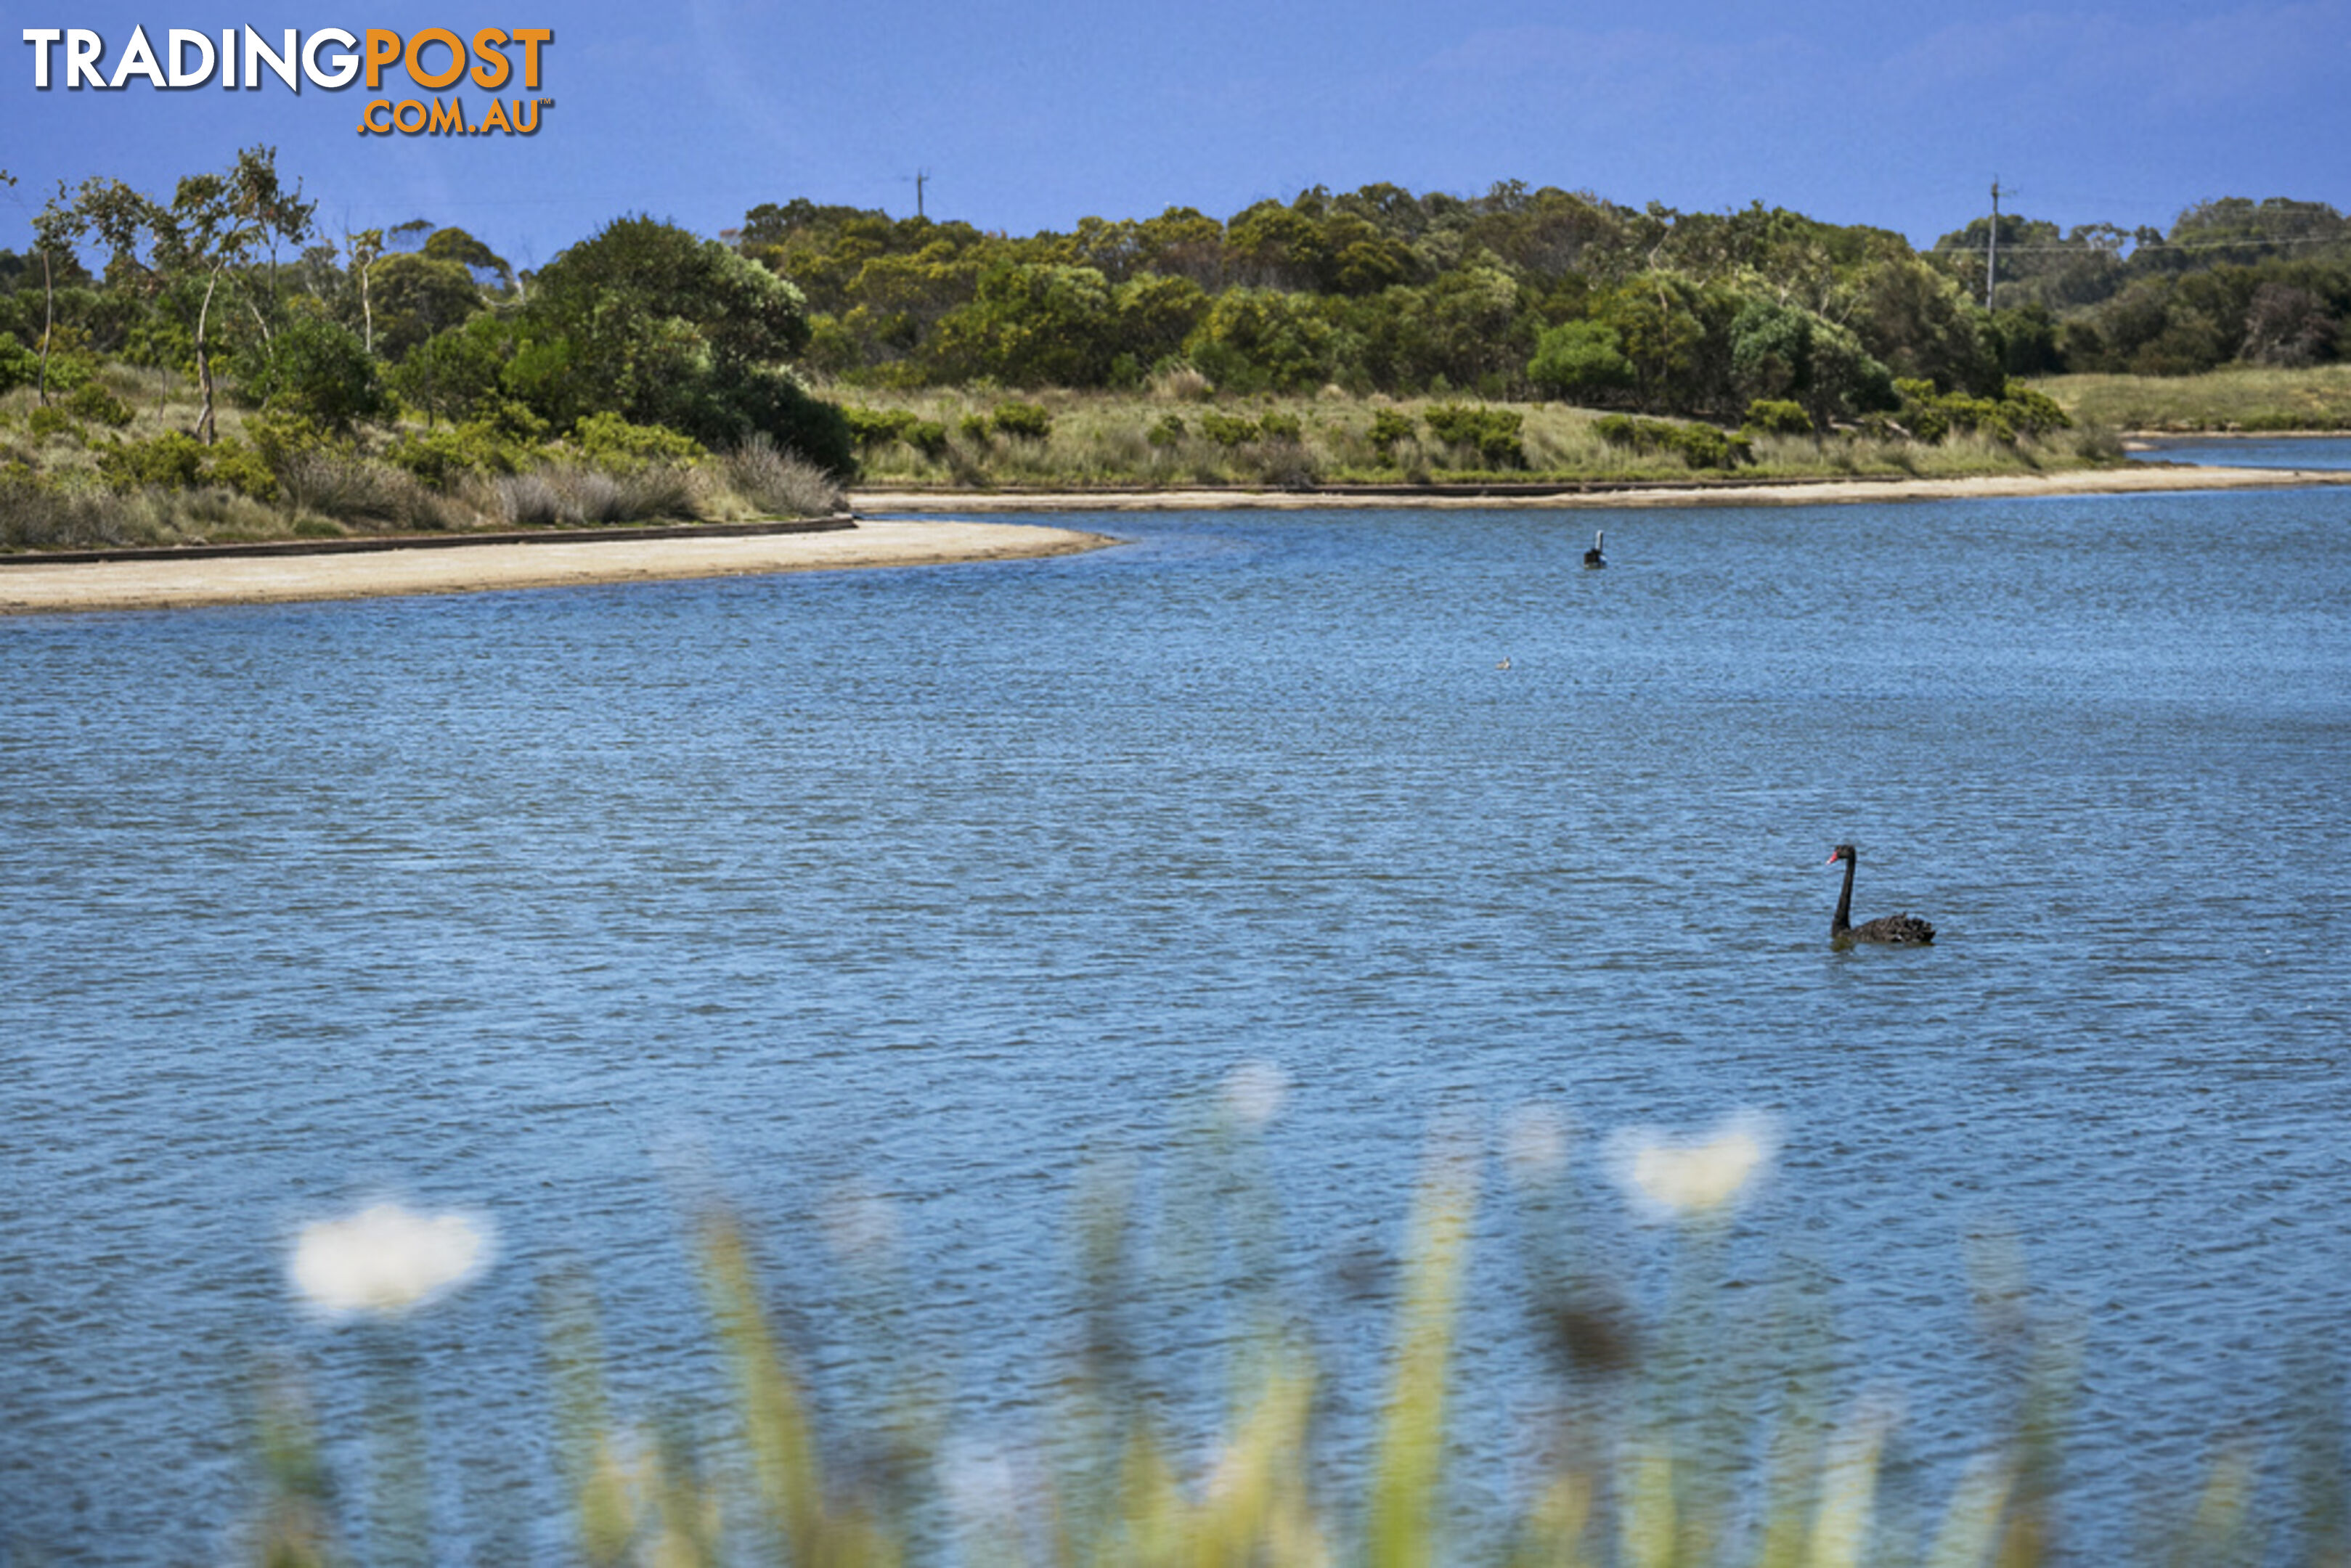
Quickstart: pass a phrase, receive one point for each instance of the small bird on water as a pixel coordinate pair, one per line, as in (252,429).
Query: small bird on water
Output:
(1592,559)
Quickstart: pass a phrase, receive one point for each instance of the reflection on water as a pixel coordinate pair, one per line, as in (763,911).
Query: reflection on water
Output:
(941,886)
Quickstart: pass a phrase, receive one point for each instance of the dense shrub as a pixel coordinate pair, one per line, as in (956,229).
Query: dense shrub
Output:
(1699,446)
(44,422)
(613,443)
(1493,432)
(172,461)
(1388,428)
(1580,359)
(314,368)
(2019,413)
(1778,416)
(877,427)
(94,402)
(234,466)
(455,374)
(19,366)
(1021,420)
(1227,430)
(871,427)
(440,456)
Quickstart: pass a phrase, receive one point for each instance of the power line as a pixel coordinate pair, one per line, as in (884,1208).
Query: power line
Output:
(2084,247)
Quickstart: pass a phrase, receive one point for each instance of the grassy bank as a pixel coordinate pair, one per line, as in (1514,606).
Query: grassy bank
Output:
(111,464)
(2240,399)
(1179,434)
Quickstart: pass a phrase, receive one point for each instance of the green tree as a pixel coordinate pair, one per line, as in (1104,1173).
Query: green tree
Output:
(487,268)
(1580,359)
(213,225)
(1469,329)
(57,227)
(312,367)
(1183,242)
(1918,322)
(1031,326)
(1153,315)
(647,321)
(1655,320)
(1770,351)
(416,296)
(455,374)
(1280,248)
(1262,339)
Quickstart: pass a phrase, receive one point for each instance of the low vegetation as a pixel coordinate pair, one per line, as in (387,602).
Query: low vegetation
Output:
(112,466)
(1178,432)
(2243,399)
(1721,1428)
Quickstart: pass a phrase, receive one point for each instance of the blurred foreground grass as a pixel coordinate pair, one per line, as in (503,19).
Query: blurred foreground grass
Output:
(1704,1433)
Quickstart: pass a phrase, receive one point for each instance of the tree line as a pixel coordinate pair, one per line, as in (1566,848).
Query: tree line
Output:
(2232,281)
(641,322)
(1519,293)
(1526,293)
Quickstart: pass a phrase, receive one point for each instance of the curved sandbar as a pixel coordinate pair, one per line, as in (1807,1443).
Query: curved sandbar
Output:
(30,587)
(2134,479)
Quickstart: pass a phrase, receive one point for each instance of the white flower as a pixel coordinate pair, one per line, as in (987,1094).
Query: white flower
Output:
(387,1260)
(1253,1094)
(1674,1179)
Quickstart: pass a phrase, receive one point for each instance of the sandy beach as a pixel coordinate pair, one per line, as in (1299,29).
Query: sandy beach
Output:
(30,587)
(880,539)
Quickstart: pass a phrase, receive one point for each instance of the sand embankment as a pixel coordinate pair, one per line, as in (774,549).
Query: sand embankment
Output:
(31,586)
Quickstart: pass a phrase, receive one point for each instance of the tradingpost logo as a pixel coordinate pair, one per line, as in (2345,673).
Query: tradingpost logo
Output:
(429,60)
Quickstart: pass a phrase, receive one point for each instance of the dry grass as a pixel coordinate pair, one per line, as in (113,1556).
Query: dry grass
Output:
(54,497)
(2244,398)
(772,483)
(576,495)
(1160,438)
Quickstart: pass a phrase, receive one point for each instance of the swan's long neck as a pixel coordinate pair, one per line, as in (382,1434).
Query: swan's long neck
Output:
(1841,921)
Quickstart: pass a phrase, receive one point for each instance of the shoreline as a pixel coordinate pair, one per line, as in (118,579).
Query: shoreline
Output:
(154,580)
(2137,478)
(443,565)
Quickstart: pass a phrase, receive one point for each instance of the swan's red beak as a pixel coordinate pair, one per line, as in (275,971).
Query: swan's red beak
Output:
(1832,860)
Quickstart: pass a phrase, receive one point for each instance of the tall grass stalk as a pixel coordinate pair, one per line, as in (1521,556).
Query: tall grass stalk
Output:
(1408,1471)
(1702,1440)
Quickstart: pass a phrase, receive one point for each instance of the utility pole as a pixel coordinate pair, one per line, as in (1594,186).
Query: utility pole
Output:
(1991,246)
(925,174)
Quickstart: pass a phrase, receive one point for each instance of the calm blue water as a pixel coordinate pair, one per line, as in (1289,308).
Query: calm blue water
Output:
(2254,452)
(944,886)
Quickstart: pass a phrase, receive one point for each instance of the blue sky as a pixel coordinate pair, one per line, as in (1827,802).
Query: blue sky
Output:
(1031,116)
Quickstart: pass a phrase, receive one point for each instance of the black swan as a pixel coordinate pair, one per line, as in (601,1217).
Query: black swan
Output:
(1593,558)
(1898,930)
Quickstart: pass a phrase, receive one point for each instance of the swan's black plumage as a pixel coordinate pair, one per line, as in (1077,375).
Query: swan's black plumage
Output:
(1593,557)
(1895,930)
